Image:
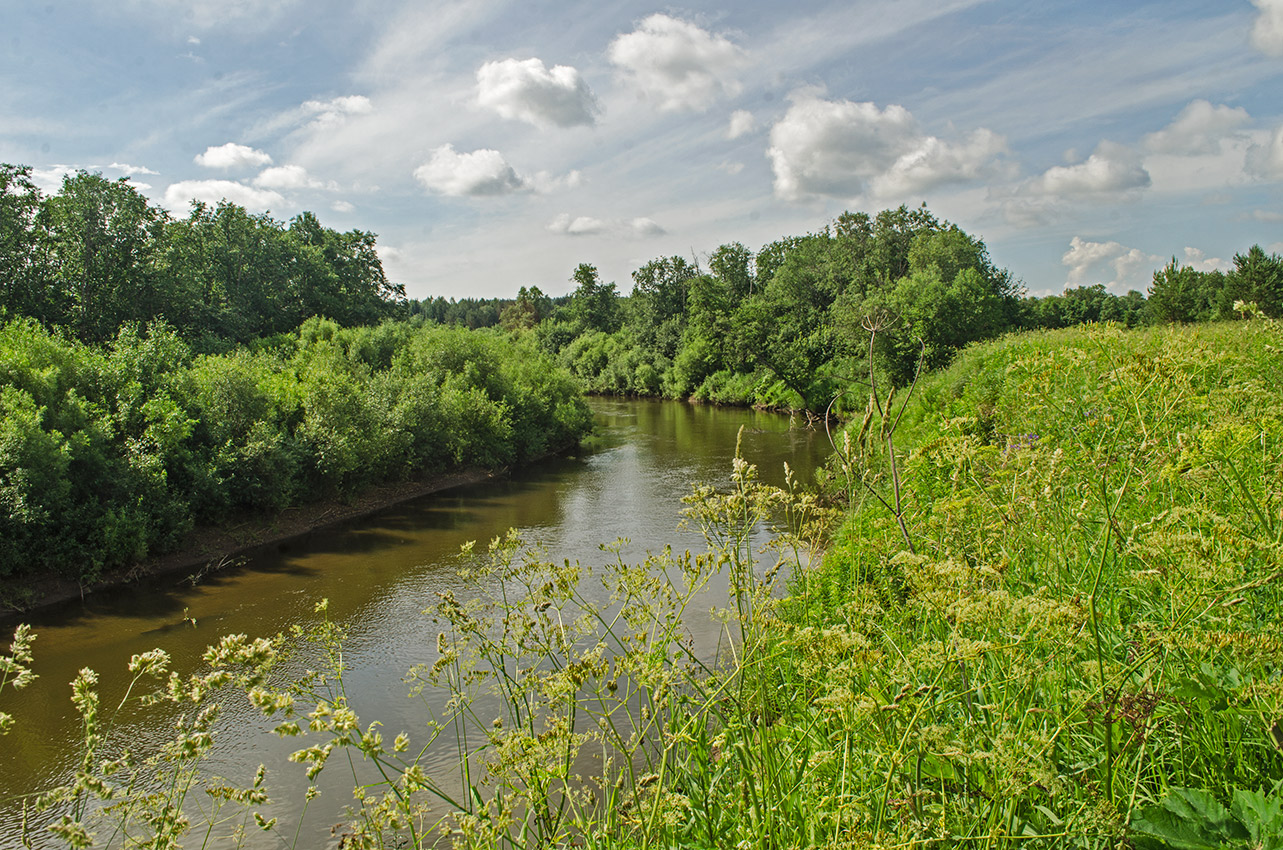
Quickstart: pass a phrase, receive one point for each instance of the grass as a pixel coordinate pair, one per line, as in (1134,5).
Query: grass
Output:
(1078,644)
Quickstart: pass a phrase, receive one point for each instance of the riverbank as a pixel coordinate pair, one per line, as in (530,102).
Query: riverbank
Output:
(210,547)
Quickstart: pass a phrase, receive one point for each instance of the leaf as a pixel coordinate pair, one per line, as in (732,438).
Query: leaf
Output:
(1189,819)
(1262,816)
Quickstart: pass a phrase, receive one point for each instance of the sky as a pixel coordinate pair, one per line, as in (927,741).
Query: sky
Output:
(494,144)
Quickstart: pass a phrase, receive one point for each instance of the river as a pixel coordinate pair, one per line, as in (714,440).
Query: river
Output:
(378,574)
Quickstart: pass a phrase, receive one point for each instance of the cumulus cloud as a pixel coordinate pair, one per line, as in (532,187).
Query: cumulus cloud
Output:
(182,193)
(342,207)
(49,180)
(232,155)
(933,162)
(525,90)
(1111,170)
(1265,160)
(289,177)
(1267,31)
(1198,129)
(480,172)
(1111,263)
(583,225)
(333,112)
(678,64)
(131,170)
(742,124)
(1198,259)
(843,149)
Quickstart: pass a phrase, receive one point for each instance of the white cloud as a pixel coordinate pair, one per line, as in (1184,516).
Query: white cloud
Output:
(742,124)
(1265,160)
(841,149)
(182,193)
(731,168)
(578,226)
(646,227)
(331,113)
(934,162)
(289,177)
(638,228)
(1117,266)
(1112,170)
(680,65)
(1266,215)
(480,172)
(527,91)
(131,170)
(544,182)
(1198,259)
(232,155)
(49,180)
(1267,32)
(1198,129)
(342,206)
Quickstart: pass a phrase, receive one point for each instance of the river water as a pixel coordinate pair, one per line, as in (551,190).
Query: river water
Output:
(378,574)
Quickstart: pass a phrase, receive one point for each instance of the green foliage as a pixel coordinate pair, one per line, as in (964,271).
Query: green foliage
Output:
(108,454)
(1257,277)
(1182,294)
(1090,617)
(1189,819)
(97,256)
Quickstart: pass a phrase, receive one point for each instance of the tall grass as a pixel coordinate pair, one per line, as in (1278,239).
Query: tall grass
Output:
(1081,647)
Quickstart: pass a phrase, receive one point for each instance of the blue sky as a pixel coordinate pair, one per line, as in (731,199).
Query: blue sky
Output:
(493,144)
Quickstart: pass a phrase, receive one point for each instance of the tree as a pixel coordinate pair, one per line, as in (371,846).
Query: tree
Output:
(1257,277)
(594,304)
(1181,294)
(347,281)
(23,276)
(529,309)
(732,265)
(103,237)
(659,304)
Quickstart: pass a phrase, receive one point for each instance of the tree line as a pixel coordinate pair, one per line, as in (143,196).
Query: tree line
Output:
(789,325)
(97,255)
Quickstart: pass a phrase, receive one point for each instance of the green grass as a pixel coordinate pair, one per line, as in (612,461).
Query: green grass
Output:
(1092,618)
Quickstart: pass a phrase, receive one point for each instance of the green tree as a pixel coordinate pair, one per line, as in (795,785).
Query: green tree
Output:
(24,285)
(1182,294)
(732,264)
(529,309)
(1257,277)
(102,237)
(658,304)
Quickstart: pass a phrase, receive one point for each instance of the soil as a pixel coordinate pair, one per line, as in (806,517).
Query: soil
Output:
(209,545)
